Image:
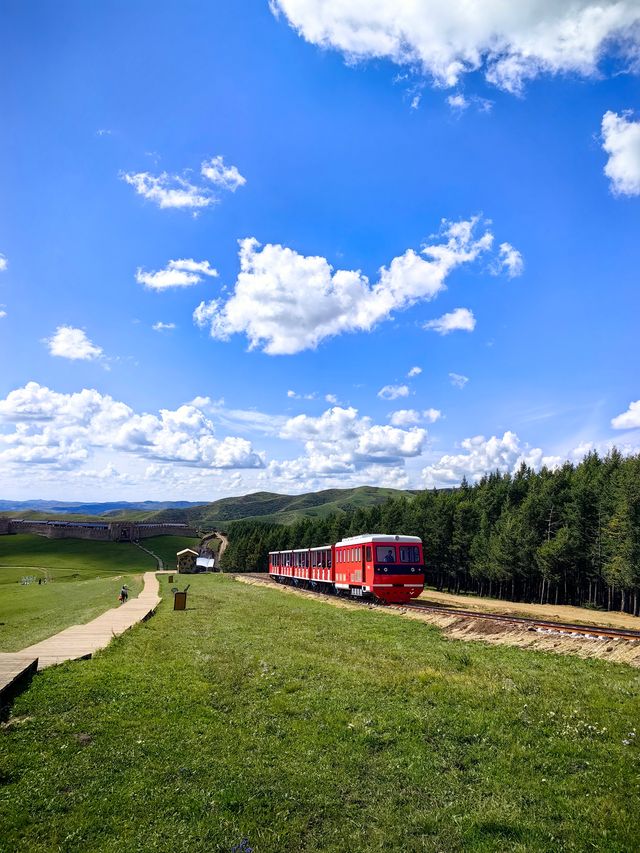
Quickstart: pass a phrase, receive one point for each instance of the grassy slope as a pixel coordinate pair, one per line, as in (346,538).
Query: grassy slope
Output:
(32,613)
(285,509)
(67,559)
(166,547)
(304,727)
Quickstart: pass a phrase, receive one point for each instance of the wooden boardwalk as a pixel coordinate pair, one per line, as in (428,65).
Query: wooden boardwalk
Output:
(80,641)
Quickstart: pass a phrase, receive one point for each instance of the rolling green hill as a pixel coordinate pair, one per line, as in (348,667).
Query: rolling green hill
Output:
(282,509)
(263,506)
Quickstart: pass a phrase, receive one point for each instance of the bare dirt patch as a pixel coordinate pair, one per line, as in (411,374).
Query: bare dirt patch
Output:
(548,612)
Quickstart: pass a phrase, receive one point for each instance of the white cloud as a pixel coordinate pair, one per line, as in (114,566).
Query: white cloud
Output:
(64,429)
(285,302)
(331,398)
(392,392)
(407,417)
(295,396)
(509,42)
(162,327)
(509,260)
(4,263)
(482,456)
(458,380)
(226,177)
(184,272)
(458,102)
(72,343)
(459,319)
(621,141)
(178,191)
(415,371)
(3,313)
(341,442)
(169,191)
(432,415)
(629,419)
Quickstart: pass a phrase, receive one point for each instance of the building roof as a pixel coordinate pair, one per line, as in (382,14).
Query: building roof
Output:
(186,551)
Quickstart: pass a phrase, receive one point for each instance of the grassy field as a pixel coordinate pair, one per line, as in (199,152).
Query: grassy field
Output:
(303,727)
(167,546)
(32,613)
(67,559)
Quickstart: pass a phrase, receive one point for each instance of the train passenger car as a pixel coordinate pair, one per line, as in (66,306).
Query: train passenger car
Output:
(390,568)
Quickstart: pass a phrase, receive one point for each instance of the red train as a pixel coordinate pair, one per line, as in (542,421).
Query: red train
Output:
(390,568)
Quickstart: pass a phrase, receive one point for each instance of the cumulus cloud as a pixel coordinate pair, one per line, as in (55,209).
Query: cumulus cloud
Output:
(63,429)
(184,272)
(415,371)
(629,419)
(458,380)
(293,395)
(3,313)
(226,177)
(621,141)
(4,263)
(392,392)
(163,327)
(458,319)
(340,441)
(509,260)
(407,417)
(432,415)
(286,302)
(178,191)
(169,191)
(331,398)
(458,102)
(446,39)
(72,343)
(482,456)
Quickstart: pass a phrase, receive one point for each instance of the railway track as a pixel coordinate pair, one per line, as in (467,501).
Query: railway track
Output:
(592,632)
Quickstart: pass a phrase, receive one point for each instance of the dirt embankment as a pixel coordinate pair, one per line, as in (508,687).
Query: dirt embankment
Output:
(551,612)
(478,628)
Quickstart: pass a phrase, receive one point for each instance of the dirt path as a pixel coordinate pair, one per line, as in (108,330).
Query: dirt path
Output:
(555,613)
(81,641)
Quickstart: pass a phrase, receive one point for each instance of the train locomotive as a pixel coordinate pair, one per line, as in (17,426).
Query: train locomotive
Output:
(374,565)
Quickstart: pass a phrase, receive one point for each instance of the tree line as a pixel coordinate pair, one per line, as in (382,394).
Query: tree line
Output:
(567,536)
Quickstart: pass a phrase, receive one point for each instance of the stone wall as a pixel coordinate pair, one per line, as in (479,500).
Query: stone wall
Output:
(116,531)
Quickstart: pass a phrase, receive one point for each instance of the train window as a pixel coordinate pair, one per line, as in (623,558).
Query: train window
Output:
(409,554)
(368,553)
(329,559)
(385,554)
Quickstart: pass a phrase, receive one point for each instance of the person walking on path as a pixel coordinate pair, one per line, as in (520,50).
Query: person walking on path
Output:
(124,593)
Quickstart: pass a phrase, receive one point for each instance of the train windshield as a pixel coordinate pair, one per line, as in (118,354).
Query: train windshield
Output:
(385,554)
(409,554)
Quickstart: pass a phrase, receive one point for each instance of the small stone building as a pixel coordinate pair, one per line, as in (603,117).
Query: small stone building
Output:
(186,561)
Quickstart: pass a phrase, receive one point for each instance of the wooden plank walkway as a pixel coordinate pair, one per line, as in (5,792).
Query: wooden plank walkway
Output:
(81,641)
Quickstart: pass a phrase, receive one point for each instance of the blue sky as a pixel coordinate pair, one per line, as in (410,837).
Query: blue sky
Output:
(313,200)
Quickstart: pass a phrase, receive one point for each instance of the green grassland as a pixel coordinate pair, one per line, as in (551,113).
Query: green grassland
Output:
(299,726)
(32,613)
(166,547)
(68,559)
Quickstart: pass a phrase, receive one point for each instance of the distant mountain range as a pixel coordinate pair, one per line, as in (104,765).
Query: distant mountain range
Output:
(68,508)
(263,506)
